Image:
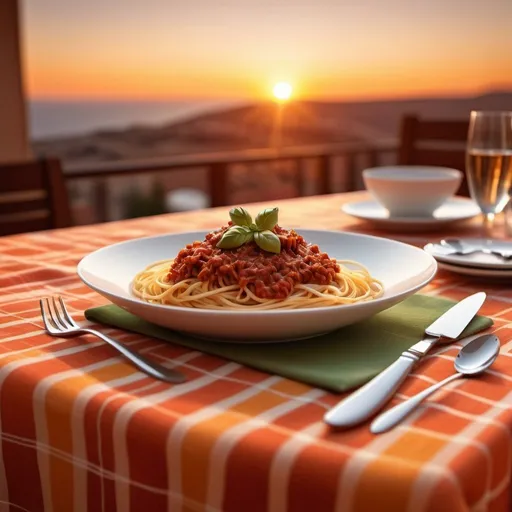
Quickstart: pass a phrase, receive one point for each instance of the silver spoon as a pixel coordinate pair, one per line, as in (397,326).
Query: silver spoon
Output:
(463,248)
(472,359)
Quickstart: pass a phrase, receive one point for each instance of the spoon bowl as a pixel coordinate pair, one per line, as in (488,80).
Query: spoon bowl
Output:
(474,358)
(477,355)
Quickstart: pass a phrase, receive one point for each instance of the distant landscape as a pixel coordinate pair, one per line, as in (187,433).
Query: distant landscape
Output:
(247,127)
(254,126)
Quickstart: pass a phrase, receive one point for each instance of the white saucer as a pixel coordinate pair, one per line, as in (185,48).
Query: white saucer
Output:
(477,272)
(477,259)
(455,209)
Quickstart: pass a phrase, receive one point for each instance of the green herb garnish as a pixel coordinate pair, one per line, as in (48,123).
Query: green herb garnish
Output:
(235,237)
(240,216)
(268,241)
(245,230)
(267,219)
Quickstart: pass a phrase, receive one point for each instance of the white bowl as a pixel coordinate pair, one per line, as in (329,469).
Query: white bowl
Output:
(402,268)
(412,191)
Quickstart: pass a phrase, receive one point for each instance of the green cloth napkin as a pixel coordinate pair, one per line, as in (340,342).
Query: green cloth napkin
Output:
(337,361)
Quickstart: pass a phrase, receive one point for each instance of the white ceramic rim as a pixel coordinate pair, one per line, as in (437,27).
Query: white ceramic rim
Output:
(412,173)
(287,312)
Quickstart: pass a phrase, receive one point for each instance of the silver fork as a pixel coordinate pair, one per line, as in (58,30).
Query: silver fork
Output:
(58,322)
(463,248)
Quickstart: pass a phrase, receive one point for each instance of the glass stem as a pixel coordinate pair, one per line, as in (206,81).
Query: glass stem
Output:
(488,223)
(508,219)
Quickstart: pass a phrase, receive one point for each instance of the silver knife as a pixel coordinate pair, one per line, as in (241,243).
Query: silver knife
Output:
(367,400)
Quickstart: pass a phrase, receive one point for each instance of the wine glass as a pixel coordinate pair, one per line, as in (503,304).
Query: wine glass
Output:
(508,217)
(489,162)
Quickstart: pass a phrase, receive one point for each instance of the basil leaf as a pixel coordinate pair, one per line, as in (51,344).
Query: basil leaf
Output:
(267,219)
(268,241)
(240,216)
(235,237)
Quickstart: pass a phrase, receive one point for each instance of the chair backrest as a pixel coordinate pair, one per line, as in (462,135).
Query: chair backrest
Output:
(434,142)
(33,197)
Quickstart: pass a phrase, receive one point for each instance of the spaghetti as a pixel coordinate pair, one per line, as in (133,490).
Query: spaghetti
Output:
(246,277)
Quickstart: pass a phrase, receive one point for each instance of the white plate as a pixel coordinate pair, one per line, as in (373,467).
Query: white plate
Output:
(477,259)
(477,272)
(402,268)
(455,209)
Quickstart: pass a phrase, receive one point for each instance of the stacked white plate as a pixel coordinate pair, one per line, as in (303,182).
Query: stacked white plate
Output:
(480,263)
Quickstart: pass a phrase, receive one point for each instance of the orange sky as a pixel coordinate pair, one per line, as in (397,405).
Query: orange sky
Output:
(238,49)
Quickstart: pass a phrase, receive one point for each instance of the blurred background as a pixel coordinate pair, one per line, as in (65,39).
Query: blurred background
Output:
(159,106)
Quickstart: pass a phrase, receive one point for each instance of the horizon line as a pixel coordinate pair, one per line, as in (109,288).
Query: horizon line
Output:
(318,99)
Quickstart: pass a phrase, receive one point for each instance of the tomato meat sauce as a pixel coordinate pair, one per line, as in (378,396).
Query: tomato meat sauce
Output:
(267,275)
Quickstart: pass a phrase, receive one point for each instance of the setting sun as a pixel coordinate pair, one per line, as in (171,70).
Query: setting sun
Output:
(282,91)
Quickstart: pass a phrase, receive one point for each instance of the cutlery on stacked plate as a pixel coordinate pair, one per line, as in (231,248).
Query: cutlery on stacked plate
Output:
(370,398)
(58,322)
(462,248)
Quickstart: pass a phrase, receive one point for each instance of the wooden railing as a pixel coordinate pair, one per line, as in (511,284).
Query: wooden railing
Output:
(219,163)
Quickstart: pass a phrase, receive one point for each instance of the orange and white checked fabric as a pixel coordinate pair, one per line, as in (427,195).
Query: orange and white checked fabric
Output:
(82,430)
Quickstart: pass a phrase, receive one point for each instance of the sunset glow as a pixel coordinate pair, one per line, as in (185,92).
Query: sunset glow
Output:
(240,50)
(282,91)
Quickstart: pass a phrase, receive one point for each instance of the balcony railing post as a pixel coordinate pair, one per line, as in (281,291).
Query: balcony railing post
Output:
(300,169)
(324,168)
(350,161)
(101,194)
(373,157)
(218,179)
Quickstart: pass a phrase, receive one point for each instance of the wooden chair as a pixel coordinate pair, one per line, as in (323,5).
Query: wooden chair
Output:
(434,142)
(33,197)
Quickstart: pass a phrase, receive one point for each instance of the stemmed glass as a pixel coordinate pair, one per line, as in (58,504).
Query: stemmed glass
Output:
(508,217)
(489,162)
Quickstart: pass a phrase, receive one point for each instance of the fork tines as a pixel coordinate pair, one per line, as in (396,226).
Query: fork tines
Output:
(55,315)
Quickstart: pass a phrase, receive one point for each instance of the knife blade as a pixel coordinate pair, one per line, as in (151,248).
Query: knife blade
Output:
(367,400)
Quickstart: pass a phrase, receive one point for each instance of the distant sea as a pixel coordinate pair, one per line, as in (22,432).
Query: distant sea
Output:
(66,118)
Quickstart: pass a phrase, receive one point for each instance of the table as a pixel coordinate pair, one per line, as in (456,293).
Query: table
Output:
(82,430)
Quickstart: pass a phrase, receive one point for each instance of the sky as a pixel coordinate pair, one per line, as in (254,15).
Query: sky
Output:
(237,49)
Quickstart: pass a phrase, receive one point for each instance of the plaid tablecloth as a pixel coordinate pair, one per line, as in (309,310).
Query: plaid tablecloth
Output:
(82,430)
